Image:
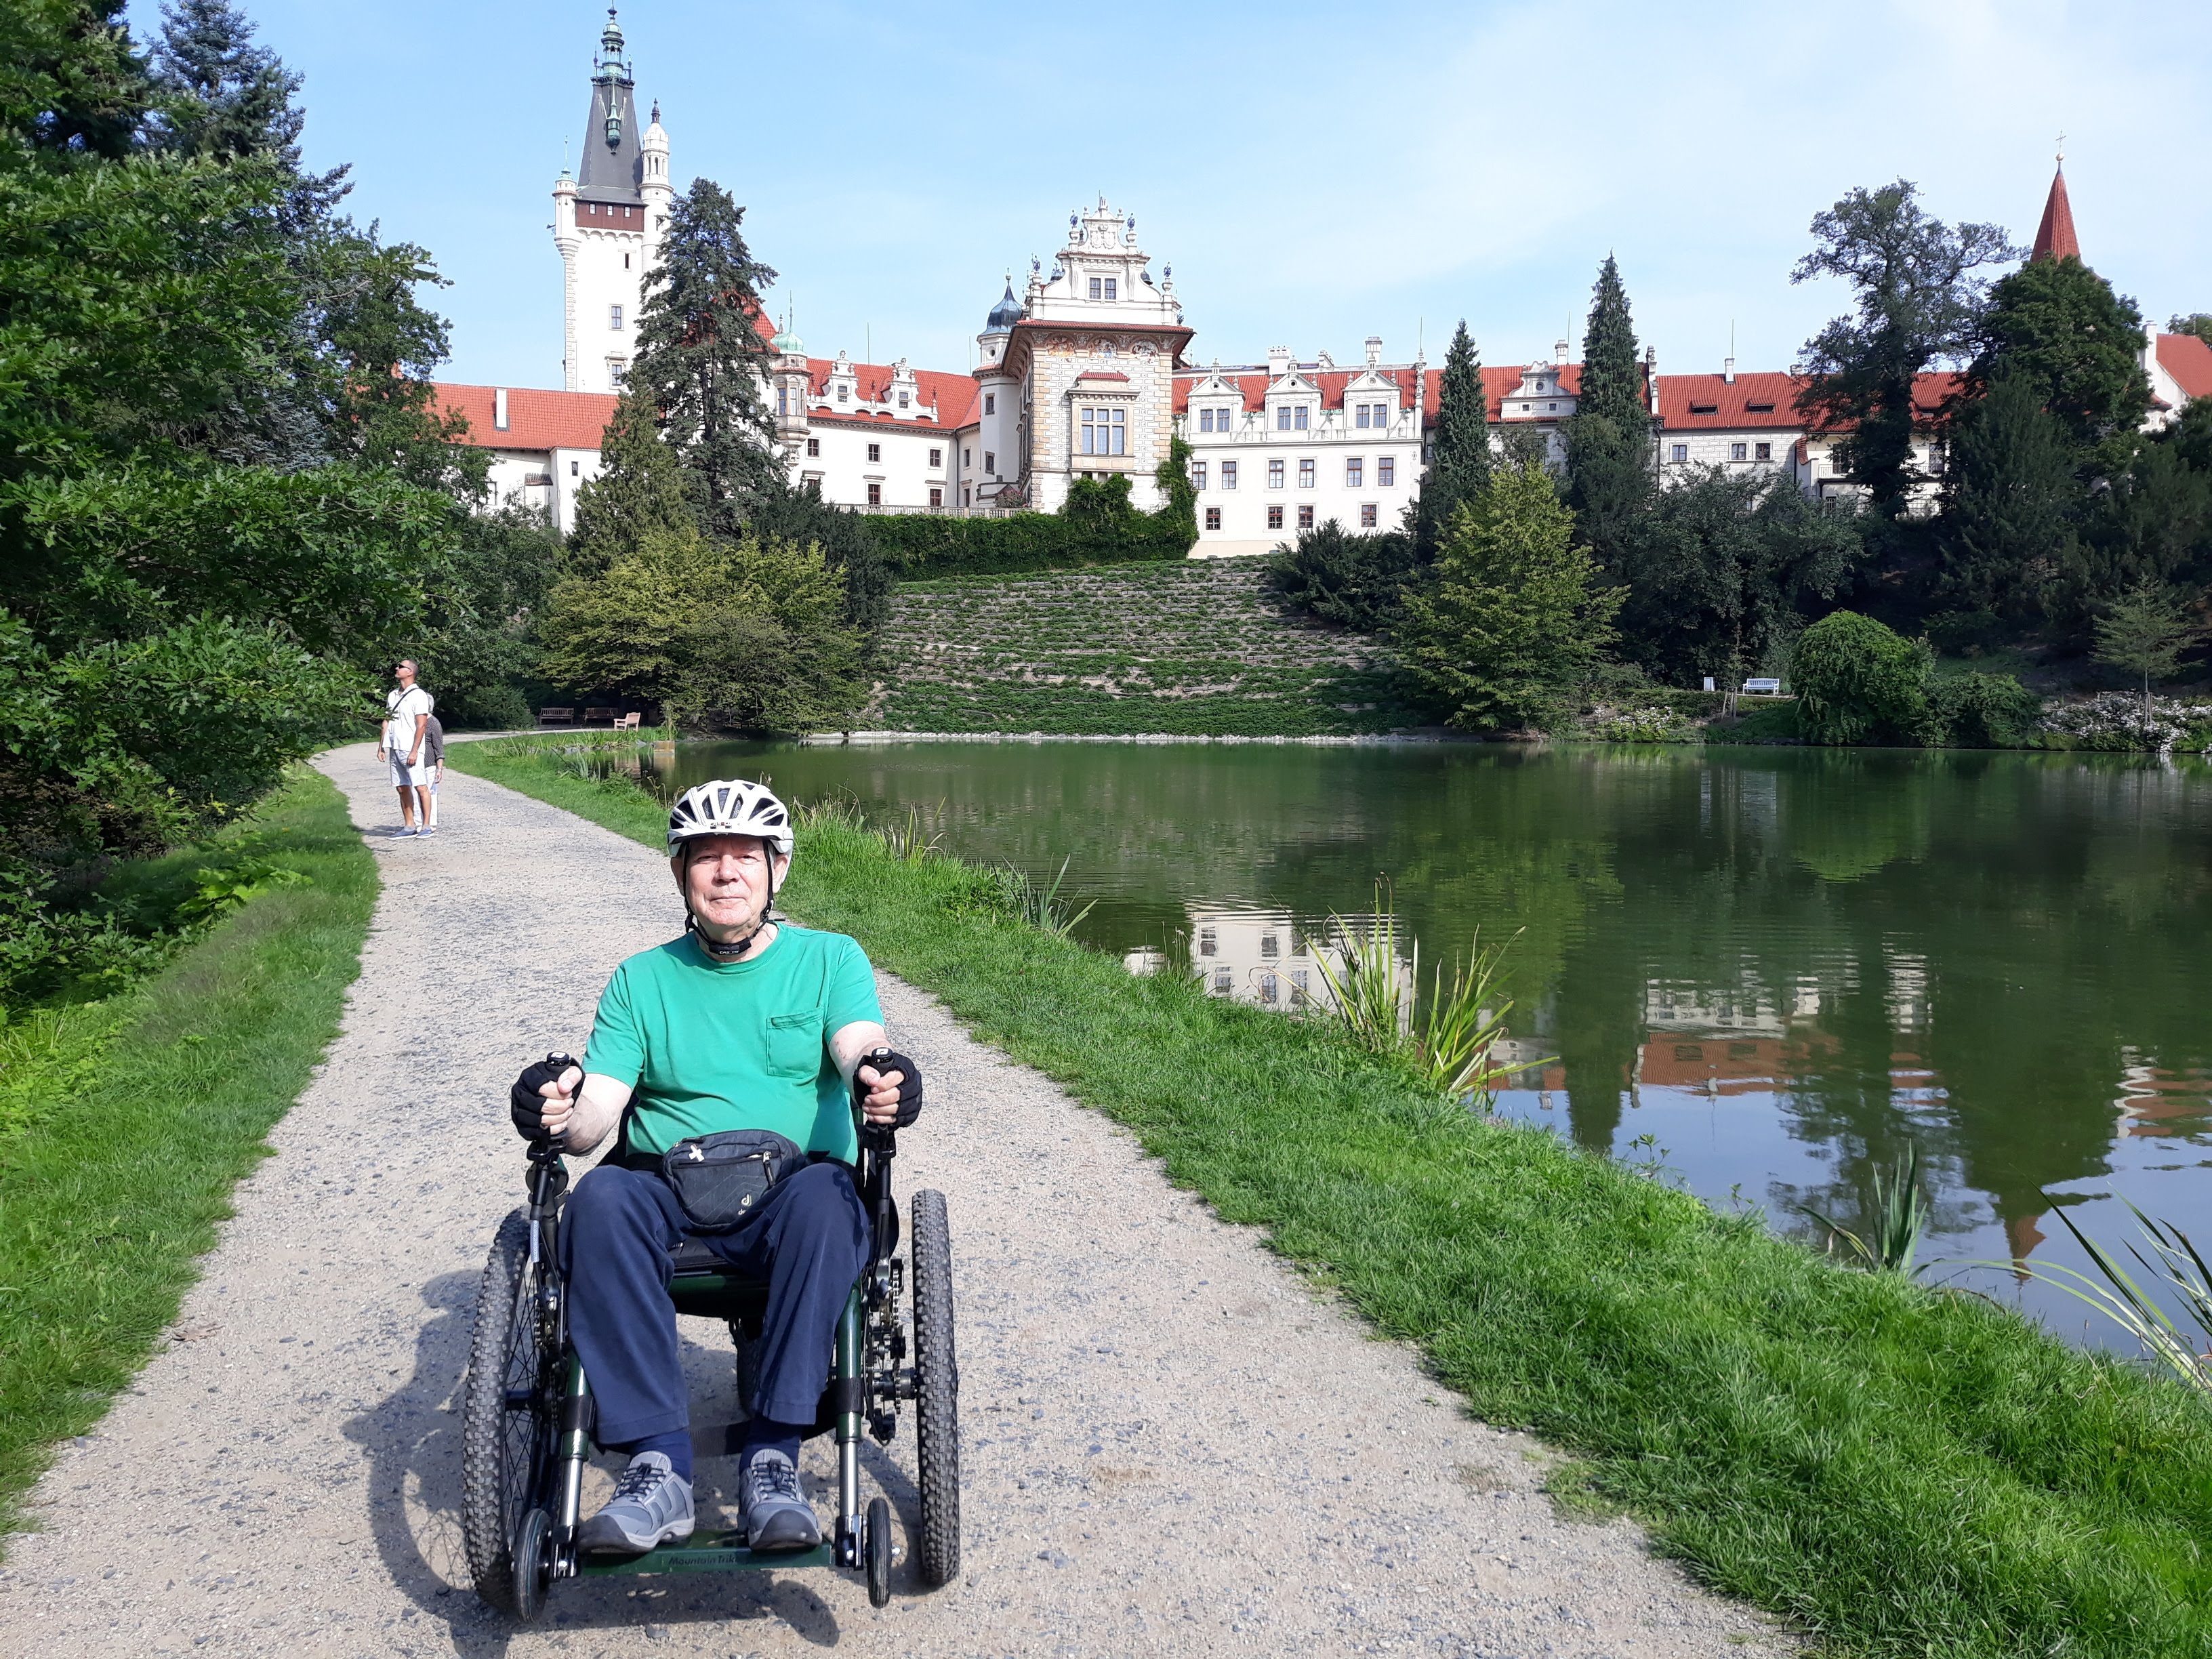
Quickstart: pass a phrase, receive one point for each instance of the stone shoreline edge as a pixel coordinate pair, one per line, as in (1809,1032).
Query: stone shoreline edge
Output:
(1893,1468)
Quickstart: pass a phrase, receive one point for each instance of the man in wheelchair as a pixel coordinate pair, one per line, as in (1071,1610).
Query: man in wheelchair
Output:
(726,1063)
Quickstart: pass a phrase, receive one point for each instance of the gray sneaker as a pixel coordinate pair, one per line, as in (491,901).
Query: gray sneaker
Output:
(777,1516)
(652,1505)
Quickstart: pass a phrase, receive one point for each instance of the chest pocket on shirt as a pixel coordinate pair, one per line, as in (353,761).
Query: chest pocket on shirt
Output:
(794,1044)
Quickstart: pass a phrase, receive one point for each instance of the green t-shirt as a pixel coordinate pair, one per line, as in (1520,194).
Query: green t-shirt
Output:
(710,1046)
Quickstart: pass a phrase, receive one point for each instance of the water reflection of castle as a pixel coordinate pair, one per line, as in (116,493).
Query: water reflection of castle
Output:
(1265,958)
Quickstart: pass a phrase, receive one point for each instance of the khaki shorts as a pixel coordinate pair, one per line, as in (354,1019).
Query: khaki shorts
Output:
(404,777)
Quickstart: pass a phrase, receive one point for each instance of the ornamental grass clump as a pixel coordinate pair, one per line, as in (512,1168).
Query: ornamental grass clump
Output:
(1898,1215)
(1448,1041)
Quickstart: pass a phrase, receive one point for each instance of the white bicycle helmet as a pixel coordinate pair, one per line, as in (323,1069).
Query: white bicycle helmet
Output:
(729,806)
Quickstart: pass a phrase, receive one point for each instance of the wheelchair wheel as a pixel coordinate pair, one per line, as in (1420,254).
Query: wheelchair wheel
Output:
(936,1391)
(876,1547)
(507,1418)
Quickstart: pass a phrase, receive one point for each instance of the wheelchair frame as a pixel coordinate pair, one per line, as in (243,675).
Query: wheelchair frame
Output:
(523,1493)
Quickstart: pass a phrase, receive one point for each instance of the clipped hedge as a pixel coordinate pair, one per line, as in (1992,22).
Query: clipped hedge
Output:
(1097,526)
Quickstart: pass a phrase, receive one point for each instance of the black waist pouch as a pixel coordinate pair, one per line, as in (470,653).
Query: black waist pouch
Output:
(719,1180)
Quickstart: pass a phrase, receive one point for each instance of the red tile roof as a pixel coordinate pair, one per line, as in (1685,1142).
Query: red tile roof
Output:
(2189,360)
(954,395)
(1708,403)
(536,418)
(2054,237)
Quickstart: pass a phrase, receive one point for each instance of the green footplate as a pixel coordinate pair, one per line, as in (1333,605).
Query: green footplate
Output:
(708,1551)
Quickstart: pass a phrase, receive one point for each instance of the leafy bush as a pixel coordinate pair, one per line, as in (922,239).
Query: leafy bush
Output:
(1354,580)
(1096,527)
(1982,711)
(749,634)
(1859,681)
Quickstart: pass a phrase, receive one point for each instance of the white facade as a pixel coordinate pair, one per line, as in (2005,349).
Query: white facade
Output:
(1294,445)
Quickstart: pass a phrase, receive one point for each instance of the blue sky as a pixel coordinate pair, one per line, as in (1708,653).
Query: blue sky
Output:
(1313,173)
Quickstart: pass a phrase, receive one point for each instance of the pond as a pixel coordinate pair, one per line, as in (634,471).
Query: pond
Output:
(1763,970)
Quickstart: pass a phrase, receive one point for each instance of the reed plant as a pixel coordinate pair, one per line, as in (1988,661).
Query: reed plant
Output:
(909,842)
(1039,906)
(1447,1041)
(2174,1262)
(1899,1215)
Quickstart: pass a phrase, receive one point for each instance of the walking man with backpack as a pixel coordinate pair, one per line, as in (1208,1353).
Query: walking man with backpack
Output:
(407,709)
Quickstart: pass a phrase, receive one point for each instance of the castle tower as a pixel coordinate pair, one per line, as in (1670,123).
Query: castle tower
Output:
(606,223)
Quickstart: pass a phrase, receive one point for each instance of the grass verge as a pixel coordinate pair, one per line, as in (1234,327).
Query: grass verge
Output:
(1899,1470)
(133,1119)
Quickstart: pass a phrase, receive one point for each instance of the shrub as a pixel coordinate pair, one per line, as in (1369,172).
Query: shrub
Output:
(1356,581)
(1859,681)
(1982,711)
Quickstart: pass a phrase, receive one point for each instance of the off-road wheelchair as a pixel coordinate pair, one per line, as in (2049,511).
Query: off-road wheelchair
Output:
(528,1413)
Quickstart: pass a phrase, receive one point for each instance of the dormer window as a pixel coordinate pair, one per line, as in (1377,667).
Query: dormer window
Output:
(844,393)
(1298,417)
(1704,409)
(902,400)
(1760,408)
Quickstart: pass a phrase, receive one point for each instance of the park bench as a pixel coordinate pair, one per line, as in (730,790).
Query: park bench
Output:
(1762,688)
(593,716)
(557,717)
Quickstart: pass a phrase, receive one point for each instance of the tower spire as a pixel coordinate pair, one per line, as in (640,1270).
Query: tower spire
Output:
(2054,237)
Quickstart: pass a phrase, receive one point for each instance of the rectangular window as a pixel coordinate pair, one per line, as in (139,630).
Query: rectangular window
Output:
(1355,472)
(937,498)
(990,403)
(875,494)
(614,317)
(1198,475)
(1105,431)
(1305,515)
(1213,518)
(1098,289)
(575,469)
(1680,453)
(902,400)
(1837,465)
(1359,415)
(844,391)
(1208,943)
(1268,989)
(813,448)
(1306,472)
(1274,518)
(991,462)
(937,458)
(1386,471)
(1110,287)
(1299,422)
(967,457)
(1228,475)
(1367,515)
(1206,420)
(1282,417)
(1222,979)
(1762,452)
(783,400)
(875,452)
(1739,452)
(1274,475)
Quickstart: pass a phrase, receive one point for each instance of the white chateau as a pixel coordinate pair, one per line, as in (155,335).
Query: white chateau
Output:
(1085,374)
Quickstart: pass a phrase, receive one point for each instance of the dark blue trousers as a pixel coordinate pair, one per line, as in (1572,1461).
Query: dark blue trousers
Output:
(809,1240)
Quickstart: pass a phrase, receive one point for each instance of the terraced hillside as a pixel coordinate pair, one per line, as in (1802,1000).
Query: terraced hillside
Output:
(1192,647)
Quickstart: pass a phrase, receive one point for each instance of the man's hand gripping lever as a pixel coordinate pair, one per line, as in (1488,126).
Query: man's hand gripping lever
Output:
(887,1088)
(543,1099)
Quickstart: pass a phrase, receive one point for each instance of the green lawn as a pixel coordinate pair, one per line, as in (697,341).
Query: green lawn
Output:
(1899,1470)
(123,1125)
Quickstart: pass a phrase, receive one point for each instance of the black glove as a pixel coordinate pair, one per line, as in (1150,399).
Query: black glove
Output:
(525,1104)
(886,1060)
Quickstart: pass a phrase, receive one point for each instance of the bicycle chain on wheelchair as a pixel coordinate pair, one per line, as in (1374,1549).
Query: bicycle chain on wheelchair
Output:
(890,1380)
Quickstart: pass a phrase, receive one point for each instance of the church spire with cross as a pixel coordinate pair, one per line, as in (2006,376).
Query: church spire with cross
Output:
(2054,237)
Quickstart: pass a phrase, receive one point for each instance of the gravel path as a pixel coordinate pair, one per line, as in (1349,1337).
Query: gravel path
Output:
(1173,1445)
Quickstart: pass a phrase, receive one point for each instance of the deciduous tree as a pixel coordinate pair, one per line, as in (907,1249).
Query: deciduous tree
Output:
(1918,300)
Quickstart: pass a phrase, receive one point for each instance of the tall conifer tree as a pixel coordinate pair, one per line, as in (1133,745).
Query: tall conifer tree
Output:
(702,362)
(638,494)
(2060,326)
(1608,437)
(2013,504)
(1460,465)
